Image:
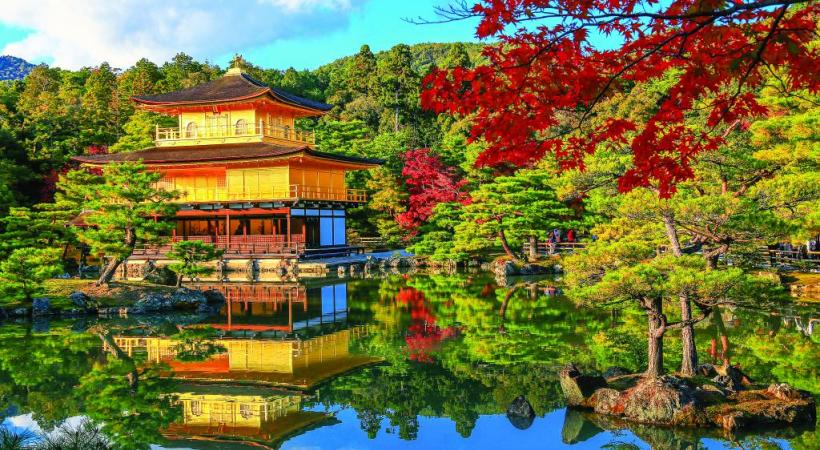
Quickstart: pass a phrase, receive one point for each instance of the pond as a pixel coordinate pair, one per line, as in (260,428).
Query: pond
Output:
(396,362)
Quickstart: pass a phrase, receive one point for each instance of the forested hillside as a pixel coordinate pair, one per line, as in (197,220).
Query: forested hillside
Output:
(13,68)
(54,114)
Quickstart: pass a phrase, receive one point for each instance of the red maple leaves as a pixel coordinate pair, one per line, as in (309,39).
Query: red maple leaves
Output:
(429,182)
(541,87)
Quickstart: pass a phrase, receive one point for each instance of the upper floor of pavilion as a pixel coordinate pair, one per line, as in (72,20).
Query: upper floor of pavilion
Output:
(232,109)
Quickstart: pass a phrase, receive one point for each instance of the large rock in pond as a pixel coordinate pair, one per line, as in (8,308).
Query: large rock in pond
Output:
(663,400)
(82,300)
(577,387)
(152,302)
(607,401)
(777,406)
(184,298)
(40,307)
(520,413)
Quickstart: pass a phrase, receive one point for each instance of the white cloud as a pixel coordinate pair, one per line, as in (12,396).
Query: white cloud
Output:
(87,32)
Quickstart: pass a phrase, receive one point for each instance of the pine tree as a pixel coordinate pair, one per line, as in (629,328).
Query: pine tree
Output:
(101,124)
(124,206)
(361,73)
(398,84)
(191,255)
(22,274)
(509,210)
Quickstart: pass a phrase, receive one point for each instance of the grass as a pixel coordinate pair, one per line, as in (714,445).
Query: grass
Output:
(118,293)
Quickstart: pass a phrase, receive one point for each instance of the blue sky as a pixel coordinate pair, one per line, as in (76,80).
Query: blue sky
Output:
(269,33)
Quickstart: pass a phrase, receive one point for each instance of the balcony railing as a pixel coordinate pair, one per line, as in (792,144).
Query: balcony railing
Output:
(237,132)
(236,245)
(267,193)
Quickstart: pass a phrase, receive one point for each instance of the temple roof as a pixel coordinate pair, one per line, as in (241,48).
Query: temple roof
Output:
(217,152)
(231,87)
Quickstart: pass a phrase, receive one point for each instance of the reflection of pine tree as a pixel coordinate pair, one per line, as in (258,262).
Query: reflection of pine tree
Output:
(370,422)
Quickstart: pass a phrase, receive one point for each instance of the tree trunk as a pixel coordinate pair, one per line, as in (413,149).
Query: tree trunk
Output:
(111,268)
(672,234)
(503,238)
(108,271)
(179,280)
(533,248)
(711,259)
(689,357)
(132,376)
(655,340)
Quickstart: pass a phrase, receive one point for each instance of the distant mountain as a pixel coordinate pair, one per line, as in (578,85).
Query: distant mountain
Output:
(14,68)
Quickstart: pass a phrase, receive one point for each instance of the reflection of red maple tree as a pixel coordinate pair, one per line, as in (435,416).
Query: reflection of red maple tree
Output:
(423,335)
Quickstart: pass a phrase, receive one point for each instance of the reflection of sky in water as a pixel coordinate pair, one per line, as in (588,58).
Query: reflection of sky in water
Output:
(492,432)
(26,423)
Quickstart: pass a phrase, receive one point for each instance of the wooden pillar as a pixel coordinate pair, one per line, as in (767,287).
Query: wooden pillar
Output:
(229,307)
(290,314)
(228,228)
(288,227)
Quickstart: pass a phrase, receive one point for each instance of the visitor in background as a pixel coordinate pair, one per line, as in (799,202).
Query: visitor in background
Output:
(553,242)
(571,235)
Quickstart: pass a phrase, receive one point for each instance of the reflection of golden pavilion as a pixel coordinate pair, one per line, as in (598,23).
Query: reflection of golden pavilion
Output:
(283,362)
(245,413)
(280,307)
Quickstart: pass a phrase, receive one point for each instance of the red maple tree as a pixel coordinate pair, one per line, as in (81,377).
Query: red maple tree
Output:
(429,182)
(545,76)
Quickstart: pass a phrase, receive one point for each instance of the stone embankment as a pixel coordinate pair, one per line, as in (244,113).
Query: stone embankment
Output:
(147,302)
(720,397)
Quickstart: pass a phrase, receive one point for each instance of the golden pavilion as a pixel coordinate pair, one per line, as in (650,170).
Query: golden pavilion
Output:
(250,181)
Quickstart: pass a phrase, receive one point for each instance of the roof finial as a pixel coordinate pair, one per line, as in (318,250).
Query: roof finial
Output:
(238,64)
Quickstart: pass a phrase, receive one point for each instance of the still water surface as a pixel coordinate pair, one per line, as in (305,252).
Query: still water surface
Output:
(398,362)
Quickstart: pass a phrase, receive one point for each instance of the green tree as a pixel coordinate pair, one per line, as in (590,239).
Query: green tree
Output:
(457,56)
(140,131)
(191,255)
(509,210)
(361,72)
(388,201)
(101,119)
(22,274)
(399,85)
(436,237)
(123,206)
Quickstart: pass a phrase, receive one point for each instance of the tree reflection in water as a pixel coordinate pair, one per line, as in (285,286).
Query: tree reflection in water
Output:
(457,347)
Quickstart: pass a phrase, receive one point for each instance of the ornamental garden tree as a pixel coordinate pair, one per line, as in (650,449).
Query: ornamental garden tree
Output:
(759,186)
(190,256)
(618,273)
(510,210)
(22,274)
(123,205)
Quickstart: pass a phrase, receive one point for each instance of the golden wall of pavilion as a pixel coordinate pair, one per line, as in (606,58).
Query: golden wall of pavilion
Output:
(272,182)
